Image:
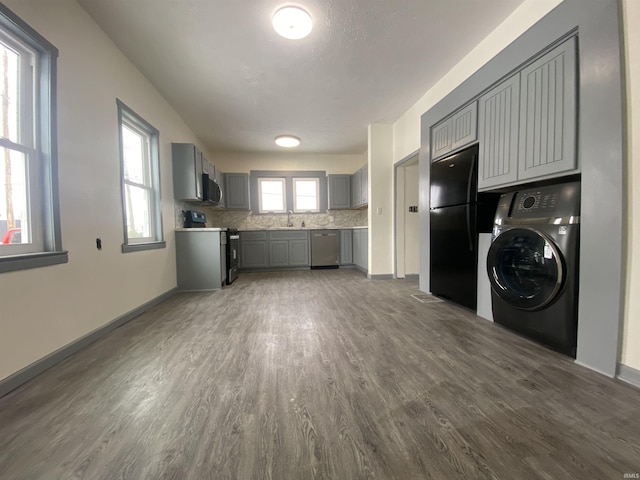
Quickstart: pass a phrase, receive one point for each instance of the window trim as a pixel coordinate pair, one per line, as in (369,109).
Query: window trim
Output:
(280,180)
(46,145)
(288,175)
(294,182)
(127,115)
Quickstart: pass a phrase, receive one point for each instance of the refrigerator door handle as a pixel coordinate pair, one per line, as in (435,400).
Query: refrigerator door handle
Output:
(469,236)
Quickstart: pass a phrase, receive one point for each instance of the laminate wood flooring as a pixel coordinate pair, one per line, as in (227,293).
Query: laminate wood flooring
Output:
(317,375)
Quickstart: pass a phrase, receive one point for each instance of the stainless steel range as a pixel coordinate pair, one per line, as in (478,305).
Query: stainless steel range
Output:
(233,254)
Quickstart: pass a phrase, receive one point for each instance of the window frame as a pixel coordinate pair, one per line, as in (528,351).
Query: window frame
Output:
(315,180)
(283,182)
(129,118)
(288,175)
(41,151)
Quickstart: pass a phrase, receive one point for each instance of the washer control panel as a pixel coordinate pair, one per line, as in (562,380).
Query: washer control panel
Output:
(537,202)
(546,202)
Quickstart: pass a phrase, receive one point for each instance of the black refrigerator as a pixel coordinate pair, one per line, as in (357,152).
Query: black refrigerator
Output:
(457,214)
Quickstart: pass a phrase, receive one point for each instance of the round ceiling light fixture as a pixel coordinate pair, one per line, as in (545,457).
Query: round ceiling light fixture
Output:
(292,22)
(287,141)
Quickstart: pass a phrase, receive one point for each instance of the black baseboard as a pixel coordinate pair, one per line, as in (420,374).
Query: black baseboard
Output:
(27,373)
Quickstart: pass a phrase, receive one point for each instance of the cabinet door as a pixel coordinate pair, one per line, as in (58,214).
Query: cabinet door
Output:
(278,253)
(364,186)
(236,191)
(299,253)
(441,139)
(187,171)
(548,114)
(339,192)
(464,126)
(356,188)
(498,134)
(254,254)
(346,247)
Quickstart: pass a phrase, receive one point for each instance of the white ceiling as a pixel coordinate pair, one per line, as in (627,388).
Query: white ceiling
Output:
(238,85)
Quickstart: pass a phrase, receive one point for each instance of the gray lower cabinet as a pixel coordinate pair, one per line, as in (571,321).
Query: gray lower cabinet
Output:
(289,248)
(299,253)
(261,250)
(199,262)
(346,247)
(236,191)
(278,253)
(254,251)
(361,248)
(527,124)
(339,192)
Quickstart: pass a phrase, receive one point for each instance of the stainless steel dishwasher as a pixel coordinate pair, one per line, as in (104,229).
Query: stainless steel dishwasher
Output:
(325,248)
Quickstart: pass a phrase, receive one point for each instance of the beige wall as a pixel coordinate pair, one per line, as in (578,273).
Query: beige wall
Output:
(44,309)
(411,221)
(245,162)
(406,130)
(381,238)
(630,355)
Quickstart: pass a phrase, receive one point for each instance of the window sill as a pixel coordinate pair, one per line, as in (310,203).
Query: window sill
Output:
(138,247)
(32,260)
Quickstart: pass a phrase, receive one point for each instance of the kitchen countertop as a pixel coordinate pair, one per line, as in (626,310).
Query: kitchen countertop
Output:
(298,228)
(212,229)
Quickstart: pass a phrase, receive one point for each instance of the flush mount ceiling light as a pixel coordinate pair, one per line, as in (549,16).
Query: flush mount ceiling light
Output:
(287,141)
(292,22)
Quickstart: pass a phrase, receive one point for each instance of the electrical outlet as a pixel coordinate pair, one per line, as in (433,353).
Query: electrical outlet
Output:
(379,210)
(413,208)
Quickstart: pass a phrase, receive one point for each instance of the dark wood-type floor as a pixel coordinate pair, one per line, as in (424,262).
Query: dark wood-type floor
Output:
(317,375)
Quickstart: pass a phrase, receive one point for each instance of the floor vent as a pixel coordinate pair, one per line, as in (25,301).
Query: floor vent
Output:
(424,298)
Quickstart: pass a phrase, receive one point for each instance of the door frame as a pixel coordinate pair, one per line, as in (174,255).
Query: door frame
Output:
(405,162)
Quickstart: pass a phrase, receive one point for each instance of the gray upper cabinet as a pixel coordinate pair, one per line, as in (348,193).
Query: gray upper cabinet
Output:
(236,191)
(360,187)
(356,188)
(187,171)
(364,186)
(455,132)
(527,124)
(498,134)
(339,192)
(548,114)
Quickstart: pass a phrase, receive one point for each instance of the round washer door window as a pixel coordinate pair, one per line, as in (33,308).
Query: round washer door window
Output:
(525,268)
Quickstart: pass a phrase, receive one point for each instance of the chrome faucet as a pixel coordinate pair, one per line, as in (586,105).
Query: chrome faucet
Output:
(289,222)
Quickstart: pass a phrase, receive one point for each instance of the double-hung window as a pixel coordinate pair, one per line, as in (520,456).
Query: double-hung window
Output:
(272,195)
(306,195)
(140,182)
(29,209)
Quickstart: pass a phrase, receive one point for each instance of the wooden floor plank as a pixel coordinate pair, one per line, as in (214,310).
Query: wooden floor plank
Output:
(317,375)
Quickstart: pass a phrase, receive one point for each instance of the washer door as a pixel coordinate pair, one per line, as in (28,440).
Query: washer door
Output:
(525,268)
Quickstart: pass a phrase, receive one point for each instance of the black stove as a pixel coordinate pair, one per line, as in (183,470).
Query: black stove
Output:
(233,254)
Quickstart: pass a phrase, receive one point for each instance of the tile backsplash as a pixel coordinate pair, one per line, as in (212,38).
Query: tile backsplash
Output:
(246,220)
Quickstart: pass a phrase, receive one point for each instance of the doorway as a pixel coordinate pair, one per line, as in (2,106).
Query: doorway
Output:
(407,224)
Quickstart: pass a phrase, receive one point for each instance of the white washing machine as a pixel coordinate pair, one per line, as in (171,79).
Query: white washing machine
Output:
(533,264)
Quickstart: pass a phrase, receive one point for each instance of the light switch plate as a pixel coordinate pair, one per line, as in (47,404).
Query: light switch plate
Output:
(379,210)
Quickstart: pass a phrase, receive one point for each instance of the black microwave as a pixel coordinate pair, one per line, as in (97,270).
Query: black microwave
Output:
(211,191)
